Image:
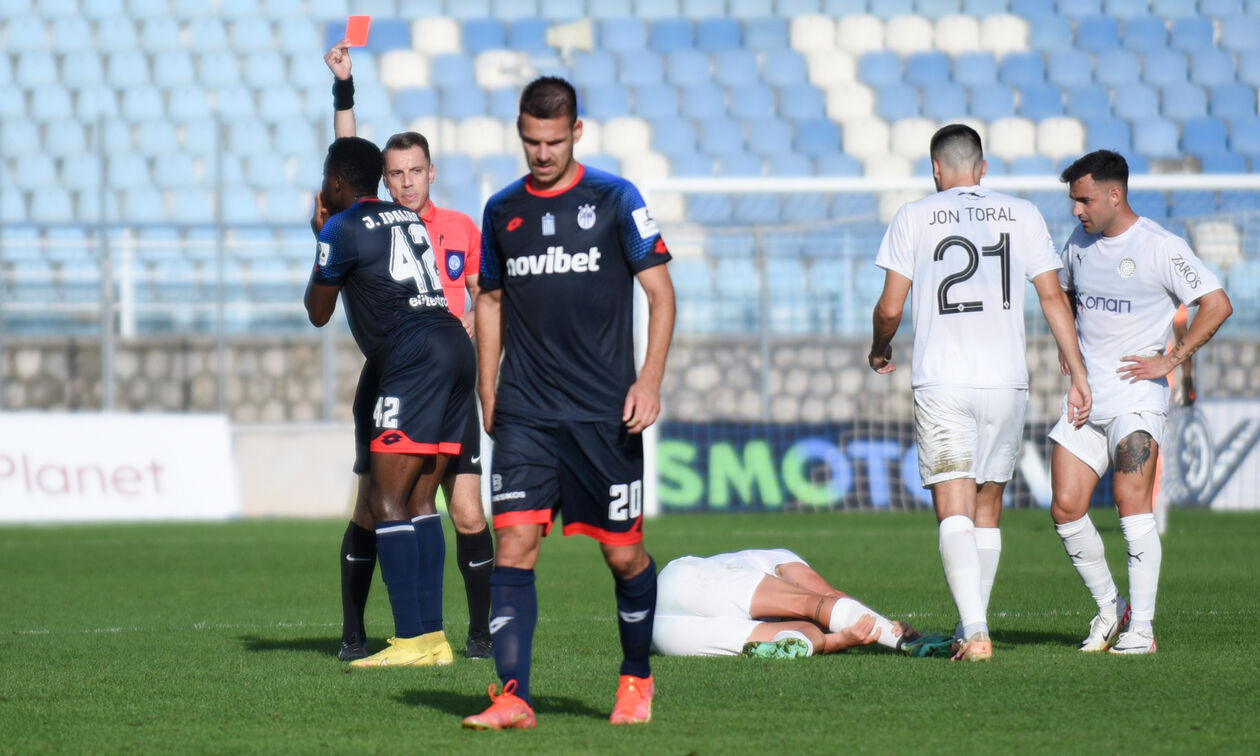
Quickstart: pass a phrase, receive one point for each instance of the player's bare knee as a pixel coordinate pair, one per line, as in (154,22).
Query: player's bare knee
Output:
(626,561)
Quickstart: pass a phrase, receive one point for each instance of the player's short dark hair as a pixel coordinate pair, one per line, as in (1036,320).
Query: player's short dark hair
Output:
(408,139)
(358,162)
(549,97)
(1103,165)
(955,142)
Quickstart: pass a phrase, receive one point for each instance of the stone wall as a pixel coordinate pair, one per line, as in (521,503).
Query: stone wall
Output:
(281,379)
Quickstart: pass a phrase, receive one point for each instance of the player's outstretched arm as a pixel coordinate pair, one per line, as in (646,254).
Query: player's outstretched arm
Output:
(1058,313)
(338,61)
(885,320)
(1214,309)
(489,309)
(643,400)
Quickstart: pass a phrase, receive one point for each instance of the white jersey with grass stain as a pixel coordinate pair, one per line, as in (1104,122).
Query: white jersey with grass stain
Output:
(967,252)
(1128,288)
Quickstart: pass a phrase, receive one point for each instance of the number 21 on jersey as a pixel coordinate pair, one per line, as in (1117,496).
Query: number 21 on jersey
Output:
(1001,250)
(411,257)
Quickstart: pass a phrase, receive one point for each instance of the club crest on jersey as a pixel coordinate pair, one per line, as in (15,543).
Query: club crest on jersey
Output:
(549,225)
(1126,268)
(325,250)
(454,263)
(586,217)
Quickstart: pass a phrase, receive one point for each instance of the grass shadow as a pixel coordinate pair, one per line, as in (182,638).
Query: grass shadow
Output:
(322,646)
(1032,637)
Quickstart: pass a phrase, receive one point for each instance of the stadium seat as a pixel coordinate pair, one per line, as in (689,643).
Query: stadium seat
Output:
(790,165)
(908,34)
(265,68)
(296,34)
(64,137)
(1010,138)
(766,34)
(975,69)
(1223,162)
(604,102)
(811,32)
(12,103)
(1184,101)
(721,135)
(81,171)
(50,103)
(238,102)
(1096,34)
(435,36)
(1244,136)
(651,101)
(667,35)
(673,136)
(887,165)
(1212,68)
(927,69)
(1116,68)
(1163,67)
(1040,102)
(506,10)
(34,69)
(456,70)
(240,206)
(254,33)
(639,67)
(1241,33)
(990,102)
(1232,101)
(893,102)
(480,34)
(828,68)
(910,137)
(735,68)
(34,171)
(685,68)
(68,34)
(738,165)
(859,33)
(1059,138)
(528,35)
(1088,102)
(204,35)
(1126,10)
(1157,139)
(879,68)
(945,102)
(1049,32)
(401,69)
(1220,8)
(692,165)
(955,35)
(835,163)
(783,68)
(1145,33)
(888,9)
(1071,68)
(799,102)
(705,100)
(1077,10)
(753,101)
(818,137)
(1191,33)
(716,34)
(1031,165)
(156,137)
(141,102)
(984,8)
(1136,103)
(1203,136)
(173,69)
(1024,69)
(1004,33)
(654,9)
(713,209)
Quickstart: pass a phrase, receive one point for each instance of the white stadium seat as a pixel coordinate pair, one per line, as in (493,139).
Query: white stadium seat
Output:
(1002,34)
(847,102)
(403,69)
(887,165)
(646,166)
(908,34)
(812,32)
(891,202)
(1058,138)
(502,68)
(864,137)
(1217,242)
(592,141)
(957,34)
(441,133)
(860,33)
(910,137)
(480,136)
(832,66)
(435,35)
(626,137)
(1010,138)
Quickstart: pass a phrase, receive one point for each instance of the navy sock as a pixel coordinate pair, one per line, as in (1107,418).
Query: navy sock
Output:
(358,562)
(432,545)
(399,555)
(476,562)
(514,613)
(636,610)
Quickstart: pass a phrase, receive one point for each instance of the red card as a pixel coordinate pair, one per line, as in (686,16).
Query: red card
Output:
(357,30)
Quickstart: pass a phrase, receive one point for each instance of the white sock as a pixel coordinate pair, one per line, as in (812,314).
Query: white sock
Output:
(795,634)
(848,611)
(989,545)
(1085,548)
(1145,555)
(961,561)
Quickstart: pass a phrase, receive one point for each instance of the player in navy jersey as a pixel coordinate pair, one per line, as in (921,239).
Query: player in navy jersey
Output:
(560,251)
(378,255)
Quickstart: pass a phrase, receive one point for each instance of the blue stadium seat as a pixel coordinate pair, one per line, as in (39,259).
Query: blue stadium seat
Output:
(116,136)
(718,34)
(937,9)
(1071,68)
(1088,102)
(605,102)
(669,34)
(1174,8)
(799,102)
(1191,33)
(1108,134)
(790,165)
(1241,33)
(610,9)
(770,137)
(735,68)
(894,102)
(721,135)
(886,9)
(1117,68)
(1032,165)
(175,171)
(265,68)
(1244,136)
(208,35)
(82,171)
(995,166)
(1232,101)
(705,100)
(1149,204)
(64,137)
(752,101)
(68,34)
(654,9)
(254,33)
(26,33)
(1220,8)
(1125,9)
(1039,103)
(945,102)
(685,68)
(240,206)
(1249,68)
(460,102)
(1223,162)
(1164,67)
(1188,204)
(93,103)
(1136,103)
(296,34)
(562,10)
(653,101)
(784,68)
(50,205)
(766,34)
(157,137)
(506,10)
(673,136)
(805,208)
(1184,101)
(503,103)
(691,165)
(973,69)
(50,103)
(221,69)
(984,8)
(990,102)
(749,9)
(478,35)
(248,137)
(833,162)
(1022,69)
(33,171)
(879,68)
(709,208)
(817,138)
(1212,68)
(1203,136)
(927,69)
(1157,139)
(1145,33)
(143,204)
(1049,32)
(1077,9)
(142,102)
(622,34)
(639,67)
(527,35)
(923,166)
(1097,34)
(265,171)
(173,69)
(36,68)
(413,103)
(456,70)
(1239,201)
(13,210)
(738,165)
(79,69)
(278,102)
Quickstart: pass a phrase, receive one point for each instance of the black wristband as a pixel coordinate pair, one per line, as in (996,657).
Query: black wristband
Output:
(343,93)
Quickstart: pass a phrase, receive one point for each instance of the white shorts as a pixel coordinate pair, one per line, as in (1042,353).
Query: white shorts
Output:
(702,603)
(1095,443)
(968,433)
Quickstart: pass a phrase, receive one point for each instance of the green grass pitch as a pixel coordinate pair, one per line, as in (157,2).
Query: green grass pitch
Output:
(220,638)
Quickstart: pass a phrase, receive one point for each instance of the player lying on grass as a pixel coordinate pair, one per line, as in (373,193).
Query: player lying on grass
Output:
(770,603)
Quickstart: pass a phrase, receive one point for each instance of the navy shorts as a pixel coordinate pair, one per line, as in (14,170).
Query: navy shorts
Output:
(421,398)
(469,461)
(591,472)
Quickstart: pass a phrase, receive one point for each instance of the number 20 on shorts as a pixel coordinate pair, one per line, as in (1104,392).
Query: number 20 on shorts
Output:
(626,501)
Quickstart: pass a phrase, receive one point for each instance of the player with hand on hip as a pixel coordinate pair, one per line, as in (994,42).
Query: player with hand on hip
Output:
(1126,275)
(966,252)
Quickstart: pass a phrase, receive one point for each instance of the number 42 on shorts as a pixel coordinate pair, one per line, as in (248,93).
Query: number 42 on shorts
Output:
(386,413)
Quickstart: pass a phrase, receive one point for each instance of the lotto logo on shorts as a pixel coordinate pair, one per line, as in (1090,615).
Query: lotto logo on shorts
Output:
(389,439)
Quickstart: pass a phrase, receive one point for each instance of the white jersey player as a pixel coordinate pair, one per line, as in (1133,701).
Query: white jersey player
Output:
(1127,276)
(965,252)
(766,602)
